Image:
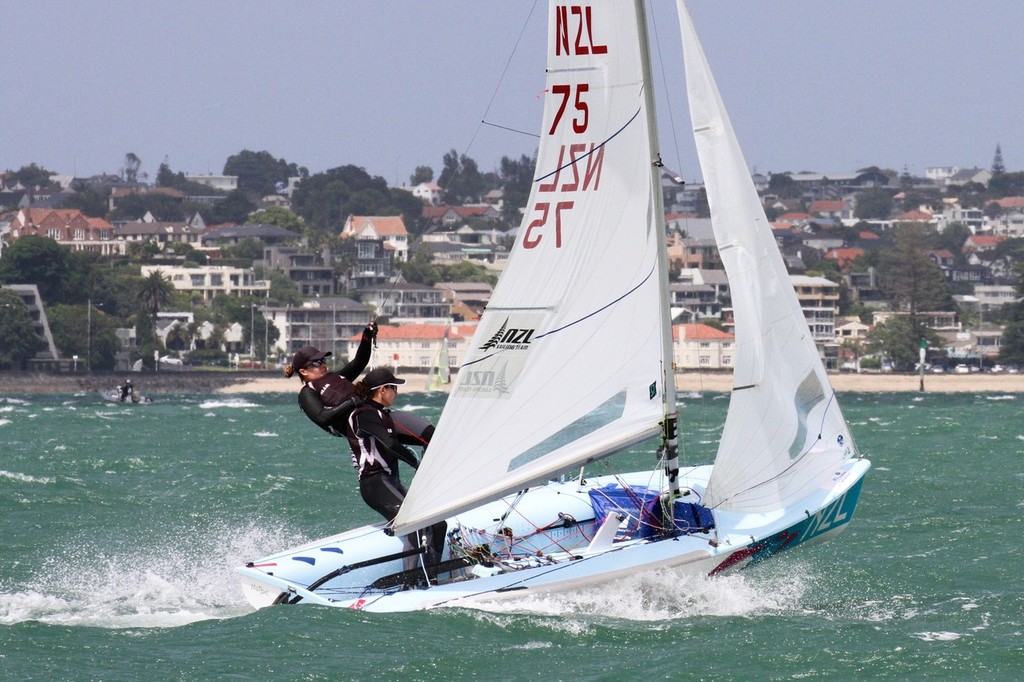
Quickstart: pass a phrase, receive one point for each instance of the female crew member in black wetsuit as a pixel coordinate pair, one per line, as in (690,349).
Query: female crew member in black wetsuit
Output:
(325,396)
(376,450)
(328,398)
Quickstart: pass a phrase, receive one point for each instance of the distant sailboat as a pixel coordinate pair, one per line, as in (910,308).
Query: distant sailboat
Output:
(572,361)
(440,371)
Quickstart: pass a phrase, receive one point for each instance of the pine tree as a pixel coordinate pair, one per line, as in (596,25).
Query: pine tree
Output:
(997,163)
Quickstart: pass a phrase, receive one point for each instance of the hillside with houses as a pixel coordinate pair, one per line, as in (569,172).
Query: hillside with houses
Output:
(242,269)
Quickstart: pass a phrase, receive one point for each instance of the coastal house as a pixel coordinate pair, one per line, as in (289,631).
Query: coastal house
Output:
(404,302)
(699,346)
(455,215)
(417,346)
(210,280)
(228,235)
(388,229)
(162,232)
(312,272)
(325,322)
(68,227)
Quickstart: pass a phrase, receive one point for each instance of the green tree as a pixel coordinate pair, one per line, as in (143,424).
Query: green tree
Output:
(87,200)
(516,182)
(259,173)
(154,293)
(899,339)
(235,208)
(873,203)
(250,248)
(460,179)
(40,261)
(420,269)
(319,198)
(33,176)
(952,239)
(18,339)
(277,215)
(130,172)
(90,336)
(421,174)
(1006,185)
(160,206)
(997,162)
(910,279)
(1011,350)
(784,186)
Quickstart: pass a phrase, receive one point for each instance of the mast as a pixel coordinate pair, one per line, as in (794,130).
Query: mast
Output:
(669,450)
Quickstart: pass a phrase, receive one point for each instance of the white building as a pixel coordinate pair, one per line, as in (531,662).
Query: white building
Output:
(699,346)
(417,346)
(223,183)
(210,280)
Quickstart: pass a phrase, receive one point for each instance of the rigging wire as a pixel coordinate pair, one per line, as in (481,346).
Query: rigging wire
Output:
(501,79)
(668,100)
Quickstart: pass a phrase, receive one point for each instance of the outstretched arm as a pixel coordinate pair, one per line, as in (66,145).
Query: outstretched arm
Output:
(355,366)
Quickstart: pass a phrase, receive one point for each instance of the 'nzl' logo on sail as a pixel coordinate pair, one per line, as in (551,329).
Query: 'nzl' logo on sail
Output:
(507,338)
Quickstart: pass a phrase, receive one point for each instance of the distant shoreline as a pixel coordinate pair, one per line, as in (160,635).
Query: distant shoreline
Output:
(146,383)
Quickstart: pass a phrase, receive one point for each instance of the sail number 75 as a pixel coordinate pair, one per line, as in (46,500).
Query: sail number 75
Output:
(579,123)
(536,230)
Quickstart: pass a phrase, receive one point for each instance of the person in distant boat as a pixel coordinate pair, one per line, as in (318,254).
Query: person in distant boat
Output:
(376,451)
(127,391)
(327,398)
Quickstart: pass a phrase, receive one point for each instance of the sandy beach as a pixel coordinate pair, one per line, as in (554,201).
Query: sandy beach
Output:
(721,382)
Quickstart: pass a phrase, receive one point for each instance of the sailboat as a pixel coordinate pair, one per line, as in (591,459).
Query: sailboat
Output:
(572,362)
(440,371)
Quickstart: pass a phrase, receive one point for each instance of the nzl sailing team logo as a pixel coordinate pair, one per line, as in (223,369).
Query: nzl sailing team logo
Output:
(502,357)
(509,338)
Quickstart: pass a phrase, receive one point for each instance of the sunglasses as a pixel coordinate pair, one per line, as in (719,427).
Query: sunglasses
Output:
(316,363)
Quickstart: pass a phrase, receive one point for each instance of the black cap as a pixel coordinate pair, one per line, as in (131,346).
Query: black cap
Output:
(381,376)
(306,355)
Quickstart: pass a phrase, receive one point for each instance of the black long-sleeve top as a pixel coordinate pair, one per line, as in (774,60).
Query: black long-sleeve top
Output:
(328,400)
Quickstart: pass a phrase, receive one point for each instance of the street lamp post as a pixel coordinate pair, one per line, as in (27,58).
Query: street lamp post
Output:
(252,333)
(88,336)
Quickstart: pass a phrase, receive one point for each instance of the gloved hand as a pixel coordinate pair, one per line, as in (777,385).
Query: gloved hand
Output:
(370,333)
(408,456)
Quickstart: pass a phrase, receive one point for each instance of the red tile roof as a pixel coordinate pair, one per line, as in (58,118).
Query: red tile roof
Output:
(701,332)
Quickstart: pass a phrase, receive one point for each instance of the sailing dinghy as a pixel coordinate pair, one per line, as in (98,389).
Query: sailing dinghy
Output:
(572,361)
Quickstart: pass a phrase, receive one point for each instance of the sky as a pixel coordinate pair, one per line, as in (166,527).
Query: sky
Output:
(386,85)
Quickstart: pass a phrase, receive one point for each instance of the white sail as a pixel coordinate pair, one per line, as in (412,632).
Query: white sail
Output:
(784,434)
(570,358)
(440,373)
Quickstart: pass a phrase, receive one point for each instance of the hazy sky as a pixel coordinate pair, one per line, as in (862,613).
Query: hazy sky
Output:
(810,85)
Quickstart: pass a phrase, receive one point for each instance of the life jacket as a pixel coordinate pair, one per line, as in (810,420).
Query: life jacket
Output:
(335,390)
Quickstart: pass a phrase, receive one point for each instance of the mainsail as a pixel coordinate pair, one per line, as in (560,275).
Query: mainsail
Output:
(570,359)
(784,433)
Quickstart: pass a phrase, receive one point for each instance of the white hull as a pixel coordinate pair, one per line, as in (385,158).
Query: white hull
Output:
(737,540)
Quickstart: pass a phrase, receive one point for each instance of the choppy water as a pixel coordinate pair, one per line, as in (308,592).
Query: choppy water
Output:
(119,525)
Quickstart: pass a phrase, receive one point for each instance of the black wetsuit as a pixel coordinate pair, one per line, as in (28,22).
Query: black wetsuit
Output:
(376,451)
(325,401)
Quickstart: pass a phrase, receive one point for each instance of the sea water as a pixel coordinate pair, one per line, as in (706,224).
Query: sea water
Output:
(119,526)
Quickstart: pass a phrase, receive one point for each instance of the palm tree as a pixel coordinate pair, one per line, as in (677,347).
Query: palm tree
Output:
(178,337)
(154,293)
